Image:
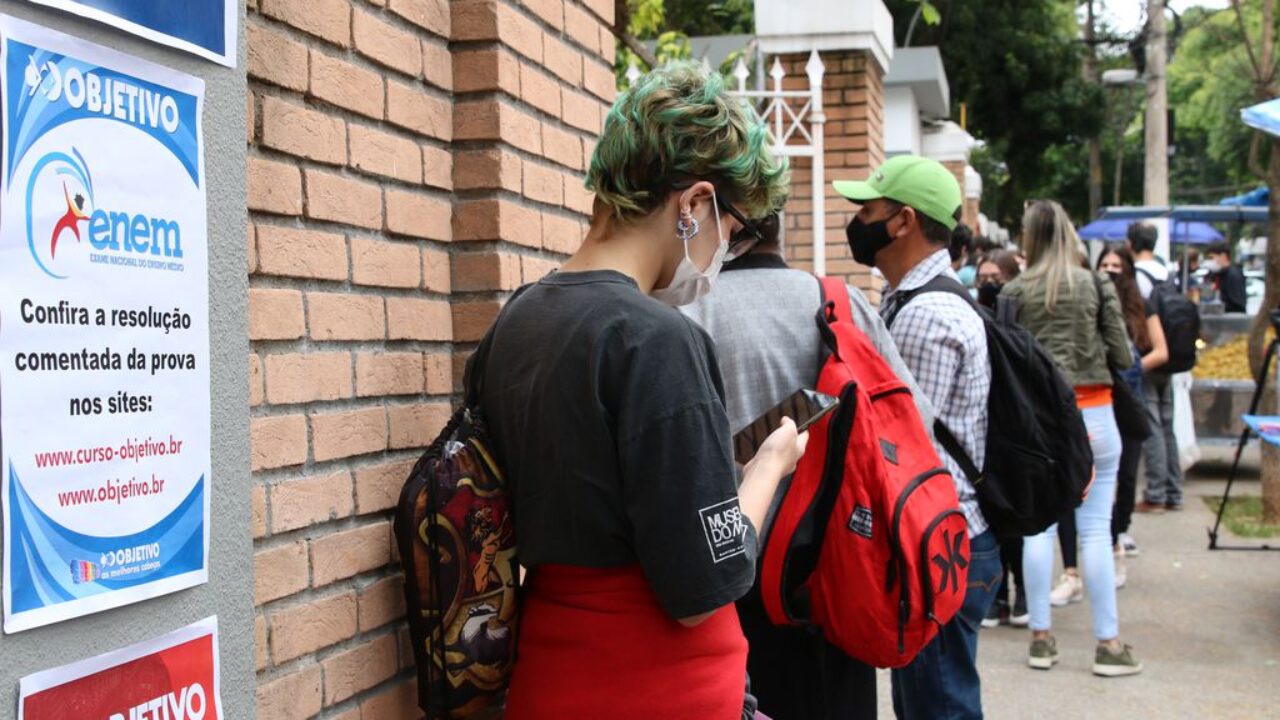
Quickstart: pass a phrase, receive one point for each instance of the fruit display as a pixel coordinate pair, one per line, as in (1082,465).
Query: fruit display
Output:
(1229,361)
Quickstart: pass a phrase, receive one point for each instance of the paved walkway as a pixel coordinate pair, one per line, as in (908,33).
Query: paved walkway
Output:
(1206,625)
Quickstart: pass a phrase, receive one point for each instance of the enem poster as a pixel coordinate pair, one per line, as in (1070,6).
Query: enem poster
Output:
(104,328)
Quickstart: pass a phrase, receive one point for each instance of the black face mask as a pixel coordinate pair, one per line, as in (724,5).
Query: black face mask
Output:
(987,293)
(1115,276)
(867,239)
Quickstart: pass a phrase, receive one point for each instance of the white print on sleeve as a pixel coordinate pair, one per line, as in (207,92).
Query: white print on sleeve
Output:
(725,528)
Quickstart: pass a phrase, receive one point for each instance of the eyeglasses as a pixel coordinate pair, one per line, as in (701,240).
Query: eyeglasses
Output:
(743,240)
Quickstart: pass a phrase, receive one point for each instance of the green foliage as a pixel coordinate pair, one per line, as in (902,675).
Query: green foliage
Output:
(672,22)
(1243,517)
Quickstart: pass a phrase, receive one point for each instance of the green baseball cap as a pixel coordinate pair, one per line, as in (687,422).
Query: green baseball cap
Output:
(922,183)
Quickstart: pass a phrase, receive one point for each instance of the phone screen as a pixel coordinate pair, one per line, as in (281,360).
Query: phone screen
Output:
(804,406)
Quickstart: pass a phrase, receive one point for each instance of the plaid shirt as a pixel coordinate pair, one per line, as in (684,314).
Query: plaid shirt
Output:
(944,344)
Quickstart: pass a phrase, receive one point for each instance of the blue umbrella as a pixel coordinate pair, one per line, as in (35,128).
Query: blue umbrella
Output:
(1257,197)
(1194,233)
(1263,116)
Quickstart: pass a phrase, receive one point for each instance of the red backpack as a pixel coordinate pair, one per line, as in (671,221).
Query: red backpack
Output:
(869,544)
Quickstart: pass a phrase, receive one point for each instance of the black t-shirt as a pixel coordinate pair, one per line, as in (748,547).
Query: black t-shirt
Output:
(607,412)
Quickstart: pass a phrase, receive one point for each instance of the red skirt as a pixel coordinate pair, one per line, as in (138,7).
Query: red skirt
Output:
(594,644)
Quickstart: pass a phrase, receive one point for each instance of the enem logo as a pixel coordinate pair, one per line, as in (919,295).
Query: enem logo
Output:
(61,206)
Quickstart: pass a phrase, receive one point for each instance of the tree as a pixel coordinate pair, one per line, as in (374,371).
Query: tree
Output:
(671,23)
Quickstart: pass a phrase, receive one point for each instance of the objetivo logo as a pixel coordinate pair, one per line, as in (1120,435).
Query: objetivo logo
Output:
(61,212)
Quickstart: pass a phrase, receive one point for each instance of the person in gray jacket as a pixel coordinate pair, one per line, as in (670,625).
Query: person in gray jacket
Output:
(761,315)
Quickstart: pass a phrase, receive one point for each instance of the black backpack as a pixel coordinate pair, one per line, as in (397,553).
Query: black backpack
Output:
(1039,463)
(1180,320)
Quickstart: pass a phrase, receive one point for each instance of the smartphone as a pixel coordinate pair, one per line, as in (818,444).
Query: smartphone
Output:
(804,406)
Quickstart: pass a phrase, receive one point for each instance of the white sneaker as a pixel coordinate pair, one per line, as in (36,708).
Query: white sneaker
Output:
(1130,545)
(1070,589)
(1121,575)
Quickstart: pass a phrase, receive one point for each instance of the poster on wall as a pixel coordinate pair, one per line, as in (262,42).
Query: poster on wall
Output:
(173,677)
(202,27)
(104,328)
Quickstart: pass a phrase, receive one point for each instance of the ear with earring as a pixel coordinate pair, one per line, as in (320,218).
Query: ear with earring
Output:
(686,226)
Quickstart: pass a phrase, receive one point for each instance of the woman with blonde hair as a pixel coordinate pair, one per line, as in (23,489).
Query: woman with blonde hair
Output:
(606,409)
(1076,316)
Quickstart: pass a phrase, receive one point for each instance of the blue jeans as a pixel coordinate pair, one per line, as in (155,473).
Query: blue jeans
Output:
(1093,523)
(942,682)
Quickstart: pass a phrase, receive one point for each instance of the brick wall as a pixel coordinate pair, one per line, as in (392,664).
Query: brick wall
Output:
(853,102)
(409,162)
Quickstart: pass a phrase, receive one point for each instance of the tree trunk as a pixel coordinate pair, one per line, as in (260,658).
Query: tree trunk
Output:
(1095,142)
(1155,190)
(1258,342)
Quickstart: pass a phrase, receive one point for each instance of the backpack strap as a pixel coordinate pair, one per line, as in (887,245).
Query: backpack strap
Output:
(957,452)
(835,292)
(939,283)
(473,377)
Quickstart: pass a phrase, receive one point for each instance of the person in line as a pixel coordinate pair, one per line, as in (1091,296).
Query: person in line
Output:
(995,269)
(963,260)
(909,206)
(1163,470)
(1058,302)
(761,317)
(1226,277)
(606,410)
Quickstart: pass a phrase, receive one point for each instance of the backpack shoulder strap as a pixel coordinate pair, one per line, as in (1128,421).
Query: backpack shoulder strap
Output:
(957,452)
(835,292)
(939,283)
(473,376)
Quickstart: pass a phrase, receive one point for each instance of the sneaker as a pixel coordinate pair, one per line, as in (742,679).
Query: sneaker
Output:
(1149,508)
(1130,545)
(1044,653)
(1019,617)
(997,614)
(1070,589)
(1108,663)
(1122,576)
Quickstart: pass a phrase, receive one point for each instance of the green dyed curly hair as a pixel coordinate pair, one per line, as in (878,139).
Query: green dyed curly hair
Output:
(677,124)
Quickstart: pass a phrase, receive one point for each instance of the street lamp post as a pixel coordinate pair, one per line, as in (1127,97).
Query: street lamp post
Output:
(1121,79)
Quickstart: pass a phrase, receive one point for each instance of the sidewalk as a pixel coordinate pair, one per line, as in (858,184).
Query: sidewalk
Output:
(1205,624)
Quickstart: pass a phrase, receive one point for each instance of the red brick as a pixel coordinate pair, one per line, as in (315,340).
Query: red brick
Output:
(339,316)
(343,554)
(533,269)
(295,252)
(500,219)
(543,183)
(608,45)
(386,44)
(602,8)
(346,85)
(303,132)
(398,702)
(279,572)
(435,271)
(497,22)
(258,512)
(385,264)
(326,19)
(471,320)
(432,15)
(274,187)
(561,146)
(359,669)
(386,154)
(303,629)
(277,441)
(344,434)
(419,215)
(275,314)
(275,58)
(491,168)
(308,377)
(389,374)
(255,380)
(261,652)
(381,603)
(415,426)
(577,196)
(599,80)
(580,111)
(412,108)
(343,199)
(437,64)
(415,319)
(439,372)
(437,167)
(562,60)
(378,487)
(486,70)
(551,11)
(582,27)
(561,234)
(310,501)
(295,696)
(539,90)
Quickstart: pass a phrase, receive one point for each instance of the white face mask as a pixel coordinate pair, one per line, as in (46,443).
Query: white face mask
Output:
(688,283)
(1211,265)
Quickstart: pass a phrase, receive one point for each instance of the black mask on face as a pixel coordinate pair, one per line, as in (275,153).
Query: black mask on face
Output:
(987,293)
(1114,276)
(867,239)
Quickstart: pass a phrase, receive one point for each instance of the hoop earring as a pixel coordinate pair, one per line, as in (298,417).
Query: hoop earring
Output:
(687,227)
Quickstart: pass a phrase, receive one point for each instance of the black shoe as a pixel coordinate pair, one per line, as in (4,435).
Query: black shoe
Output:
(997,614)
(1019,617)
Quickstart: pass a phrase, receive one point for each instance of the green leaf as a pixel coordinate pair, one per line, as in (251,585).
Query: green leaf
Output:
(930,13)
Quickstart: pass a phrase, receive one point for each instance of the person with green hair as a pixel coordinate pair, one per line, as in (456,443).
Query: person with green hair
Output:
(606,410)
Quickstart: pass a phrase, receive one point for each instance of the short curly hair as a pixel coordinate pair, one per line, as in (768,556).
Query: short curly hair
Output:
(677,124)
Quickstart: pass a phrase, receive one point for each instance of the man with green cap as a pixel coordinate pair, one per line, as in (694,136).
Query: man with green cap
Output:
(909,206)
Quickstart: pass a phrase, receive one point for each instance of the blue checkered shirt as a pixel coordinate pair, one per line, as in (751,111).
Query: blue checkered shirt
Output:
(944,344)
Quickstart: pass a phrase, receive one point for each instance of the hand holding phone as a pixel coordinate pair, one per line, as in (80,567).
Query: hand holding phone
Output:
(804,407)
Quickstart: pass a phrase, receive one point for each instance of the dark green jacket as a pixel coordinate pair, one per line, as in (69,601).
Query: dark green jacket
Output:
(1071,333)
